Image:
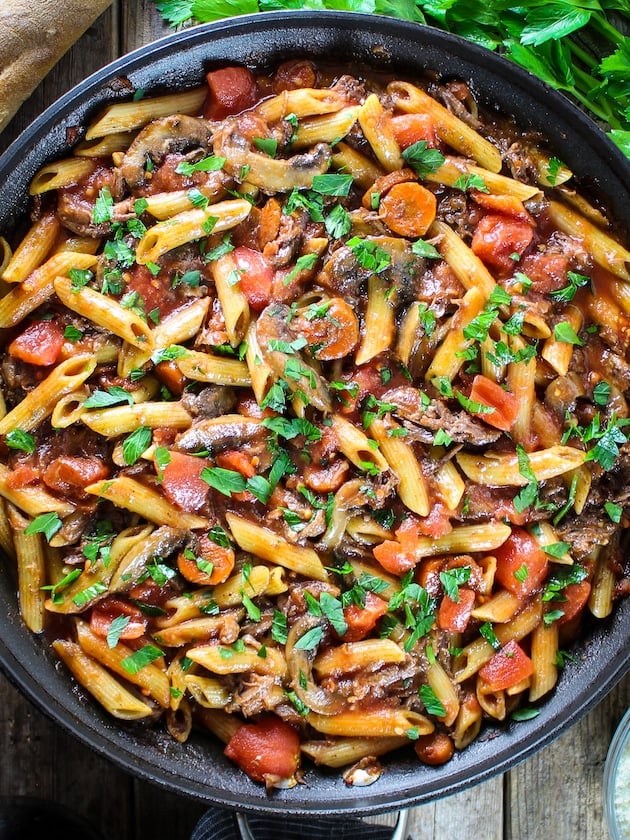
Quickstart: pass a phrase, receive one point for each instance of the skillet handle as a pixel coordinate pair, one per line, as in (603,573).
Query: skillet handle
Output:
(322,828)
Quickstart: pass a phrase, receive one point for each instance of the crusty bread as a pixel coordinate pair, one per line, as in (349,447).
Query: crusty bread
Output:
(33,37)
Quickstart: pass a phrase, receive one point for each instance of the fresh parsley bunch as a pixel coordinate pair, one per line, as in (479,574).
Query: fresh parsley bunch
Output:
(579,47)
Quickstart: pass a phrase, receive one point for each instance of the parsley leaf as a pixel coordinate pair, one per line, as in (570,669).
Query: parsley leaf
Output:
(421,159)
(46,523)
(432,704)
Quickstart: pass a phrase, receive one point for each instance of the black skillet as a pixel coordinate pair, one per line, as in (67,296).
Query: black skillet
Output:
(198,768)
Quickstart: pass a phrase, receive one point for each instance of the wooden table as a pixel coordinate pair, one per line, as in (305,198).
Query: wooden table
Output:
(555,794)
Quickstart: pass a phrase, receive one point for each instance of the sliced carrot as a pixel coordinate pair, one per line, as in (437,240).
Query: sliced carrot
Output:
(384,183)
(333,334)
(209,565)
(408,209)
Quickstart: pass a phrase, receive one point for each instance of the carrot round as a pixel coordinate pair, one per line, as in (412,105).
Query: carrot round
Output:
(209,565)
(334,331)
(408,209)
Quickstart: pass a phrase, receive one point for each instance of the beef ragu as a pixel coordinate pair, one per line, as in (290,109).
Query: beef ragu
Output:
(315,416)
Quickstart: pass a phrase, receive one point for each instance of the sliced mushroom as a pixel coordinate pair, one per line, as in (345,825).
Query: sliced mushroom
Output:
(160,543)
(269,174)
(160,138)
(230,431)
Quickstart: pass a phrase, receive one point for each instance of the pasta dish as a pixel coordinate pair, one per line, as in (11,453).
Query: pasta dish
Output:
(313,416)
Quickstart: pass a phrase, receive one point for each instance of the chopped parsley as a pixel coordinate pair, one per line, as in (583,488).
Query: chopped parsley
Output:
(422,160)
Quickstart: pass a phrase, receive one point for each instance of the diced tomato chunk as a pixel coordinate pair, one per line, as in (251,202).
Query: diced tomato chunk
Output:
(39,344)
(454,616)
(231,90)
(182,483)
(256,277)
(508,667)
(504,403)
(576,595)
(104,613)
(521,564)
(362,620)
(547,271)
(268,750)
(497,240)
(68,474)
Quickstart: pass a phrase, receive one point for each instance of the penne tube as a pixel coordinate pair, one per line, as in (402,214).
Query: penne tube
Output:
(223,660)
(355,445)
(33,249)
(122,419)
(449,128)
(130,494)
(556,353)
(468,268)
(163,206)
(117,700)
(203,367)
(106,312)
(351,656)
(127,116)
(543,653)
(412,486)
(450,486)
(466,539)
(234,305)
(606,251)
(271,547)
(490,700)
(69,408)
(197,630)
(207,691)
(521,382)
(603,586)
(446,361)
(38,286)
(38,404)
(104,146)
(363,170)
(455,168)
(151,679)
(498,609)
(374,122)
(502,470)
(343,751)
(303,102)
(445,692)
(375,722)
(31,568)
(468,722)
(380,325)
(220,723)
(6,531)
(60,173)
(260,373)
(545,534)
(33,501)
(328,128)
(189,226)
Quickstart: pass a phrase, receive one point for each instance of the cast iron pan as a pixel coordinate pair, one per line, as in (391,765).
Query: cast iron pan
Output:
(198,768)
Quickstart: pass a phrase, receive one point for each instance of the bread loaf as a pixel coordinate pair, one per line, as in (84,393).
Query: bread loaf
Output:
(34,34)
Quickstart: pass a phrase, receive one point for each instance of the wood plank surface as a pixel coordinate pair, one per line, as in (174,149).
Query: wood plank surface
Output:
(555,794)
